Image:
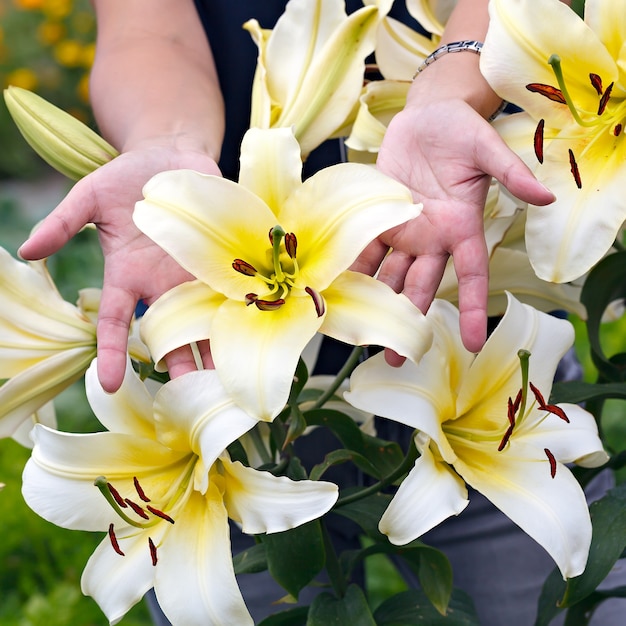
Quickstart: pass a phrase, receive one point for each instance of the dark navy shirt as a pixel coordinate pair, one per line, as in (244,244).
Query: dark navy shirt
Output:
(235,56)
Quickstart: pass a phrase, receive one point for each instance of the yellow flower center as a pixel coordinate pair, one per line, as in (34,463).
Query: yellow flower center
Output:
(144,510)
(282,278)
(610,113)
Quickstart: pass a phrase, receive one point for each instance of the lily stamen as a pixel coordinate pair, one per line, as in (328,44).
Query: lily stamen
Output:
(552,461)
(139,490)
(153,551)
(113,539)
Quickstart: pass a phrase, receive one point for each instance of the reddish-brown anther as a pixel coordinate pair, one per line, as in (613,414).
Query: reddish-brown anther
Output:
(291,245)
(596,82)
(153,551)
(116,496)
(538,141)
(552,93)
(135,507)
(320,306)
(269,305)
(139,490)
(552,462)
(160,514)
(544,406)
(605,99)
(114,543)
(244,268)
(574,168)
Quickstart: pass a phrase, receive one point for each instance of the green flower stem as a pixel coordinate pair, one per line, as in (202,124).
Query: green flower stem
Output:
(351,362)
(259,446)
(402,469)
(333,567)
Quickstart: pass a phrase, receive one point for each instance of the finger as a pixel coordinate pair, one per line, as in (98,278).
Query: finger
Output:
(116,311)
(67,219)
(422,279)
(369,260)
(471,263)
(497,159)
(181,361)
(394,269)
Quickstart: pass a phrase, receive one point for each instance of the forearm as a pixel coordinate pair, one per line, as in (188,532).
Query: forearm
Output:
(153,79)
(457,75)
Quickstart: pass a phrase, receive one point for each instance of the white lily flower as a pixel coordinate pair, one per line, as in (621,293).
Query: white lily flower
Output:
(164,491)
(46,343)
(570,81)
(271,257)
(310,67)
(475,426)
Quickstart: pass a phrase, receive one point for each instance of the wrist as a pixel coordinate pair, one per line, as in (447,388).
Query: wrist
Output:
(454,76)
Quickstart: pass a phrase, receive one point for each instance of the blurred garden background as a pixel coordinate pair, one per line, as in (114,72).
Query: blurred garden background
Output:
(47,46)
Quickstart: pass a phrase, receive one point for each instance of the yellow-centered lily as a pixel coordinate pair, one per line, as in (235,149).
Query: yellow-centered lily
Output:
(485,420)
(310,67)
(57,137)
(161,486)
(271,257)
(569,77)
(46,343)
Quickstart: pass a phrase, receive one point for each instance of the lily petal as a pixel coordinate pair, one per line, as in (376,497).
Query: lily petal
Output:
(271,165)
(27,392)
(200,543)
(272,342)
(552,510)
(58,480)
(179,317)
(118,582)
(430,493)
(547,338)
(264,503)
(179,212)
(128,410)
(340,210)
(207,420)
(421,401)
(360,309)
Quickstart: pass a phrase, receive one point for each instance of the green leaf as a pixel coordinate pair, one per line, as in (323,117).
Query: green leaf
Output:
(291,617)
(605,283)
(341,425)
(352,610)
(551,594)
(413,607)
(367,513)
(341,456)
(296,556)
(431,566)
(608,516)
(575,392)
(385,456)
(251,561)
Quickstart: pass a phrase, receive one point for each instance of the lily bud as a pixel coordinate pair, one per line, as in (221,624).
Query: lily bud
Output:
(57,137)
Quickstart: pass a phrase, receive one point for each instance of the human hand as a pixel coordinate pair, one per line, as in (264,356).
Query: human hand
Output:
(446,153)
(134,267)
